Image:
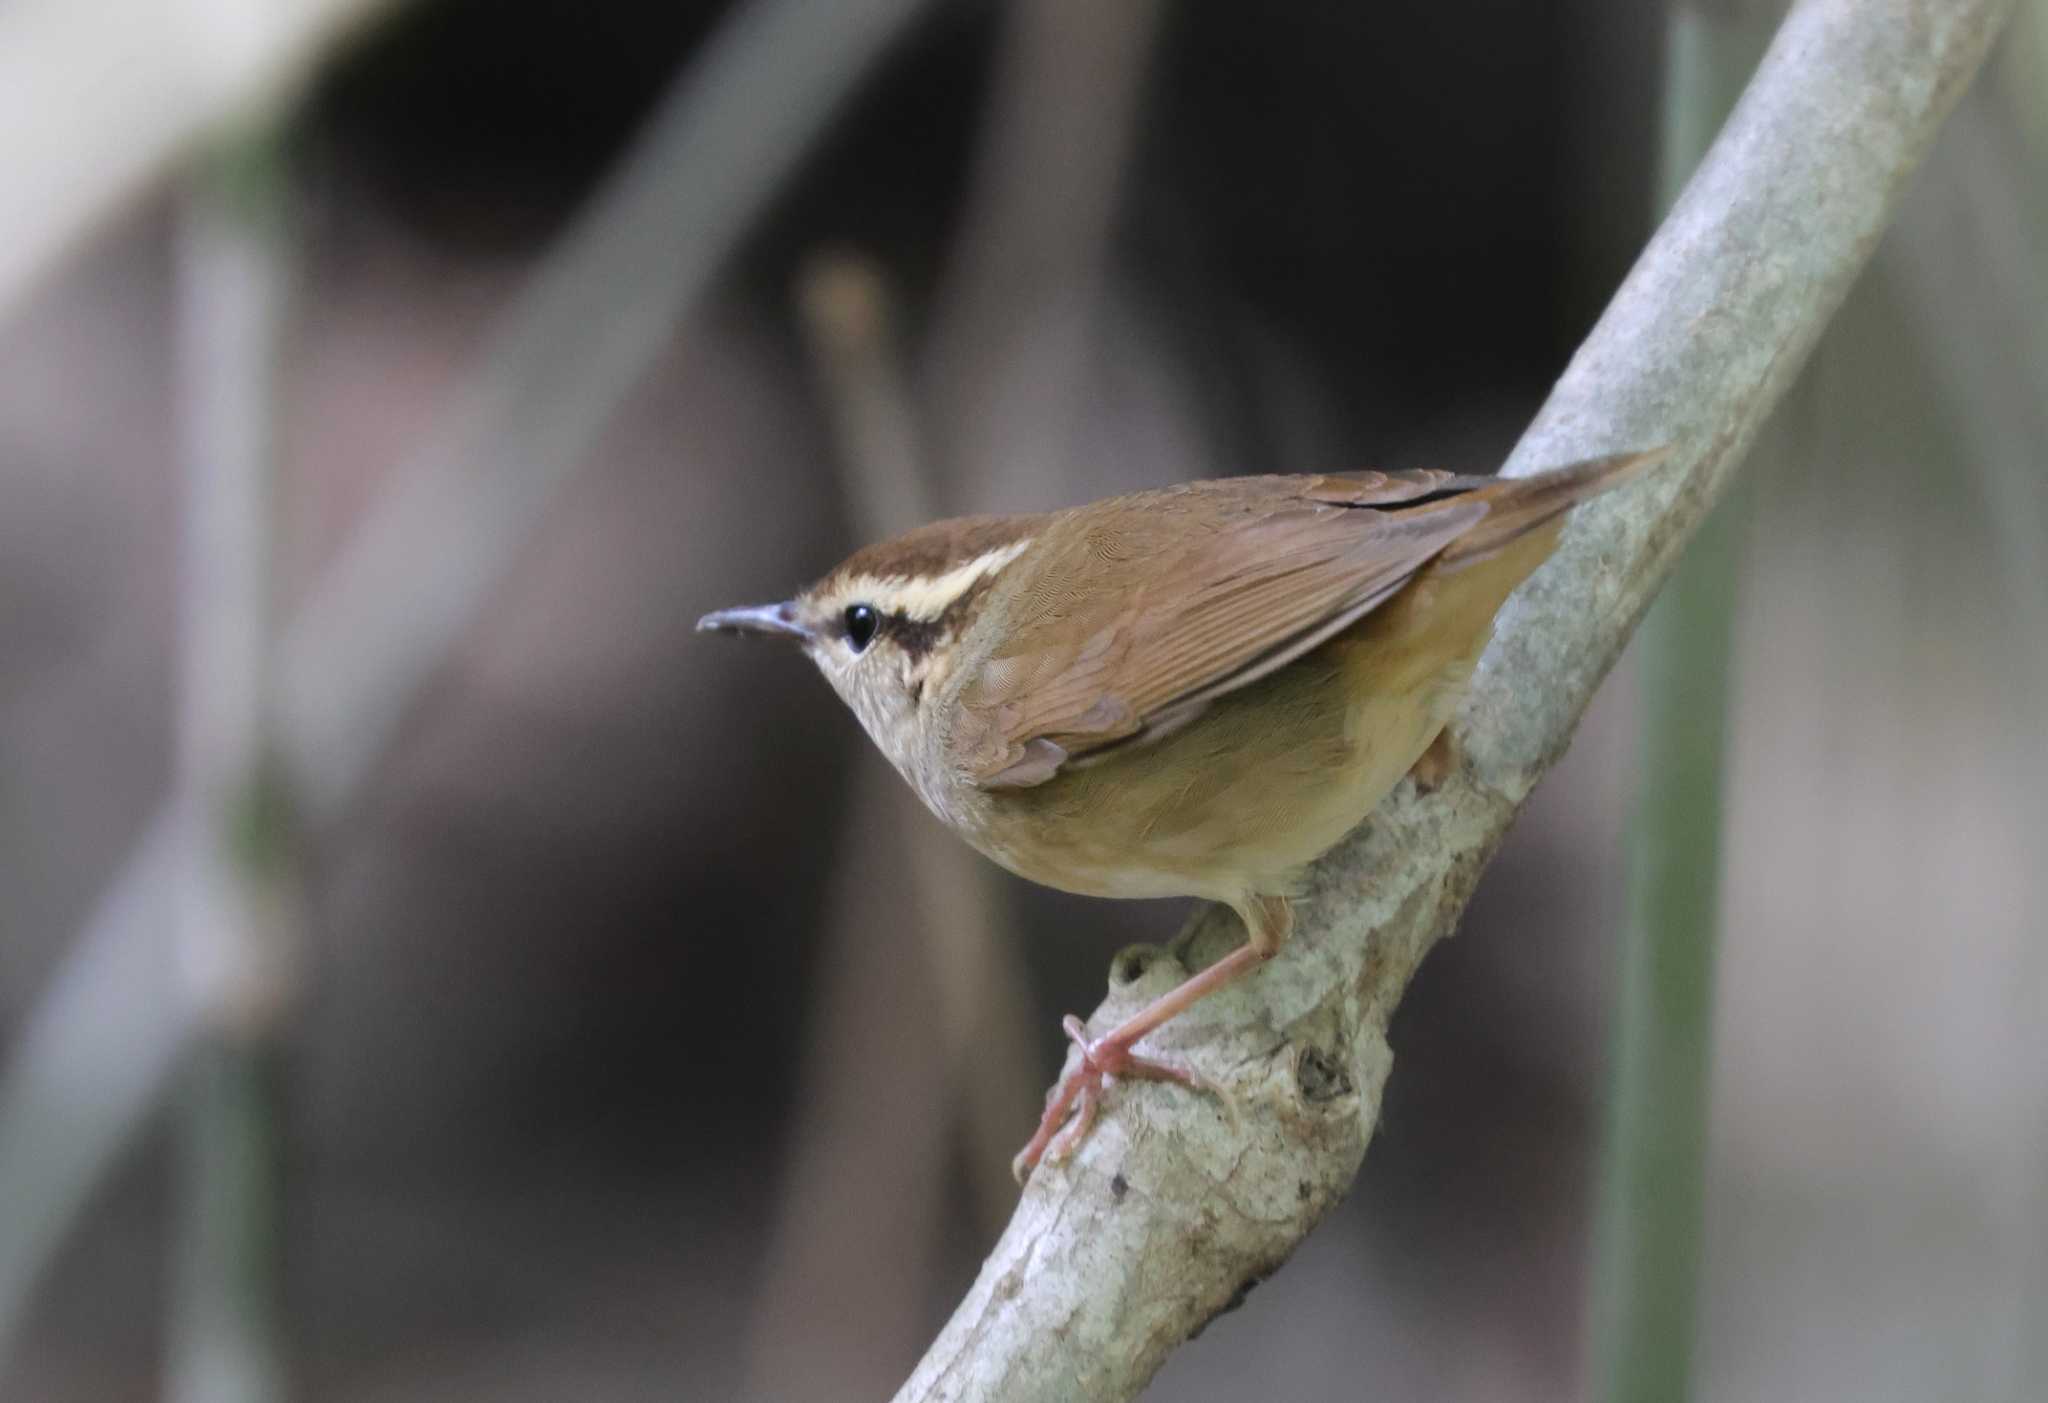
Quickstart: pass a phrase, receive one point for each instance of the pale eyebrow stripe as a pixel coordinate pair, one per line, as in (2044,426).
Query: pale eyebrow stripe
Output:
(924,600)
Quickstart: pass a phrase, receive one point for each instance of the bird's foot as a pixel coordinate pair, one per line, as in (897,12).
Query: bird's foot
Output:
(1072,1104)
(1436,764)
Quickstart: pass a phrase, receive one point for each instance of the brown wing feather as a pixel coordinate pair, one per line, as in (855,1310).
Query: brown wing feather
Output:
(1208,588)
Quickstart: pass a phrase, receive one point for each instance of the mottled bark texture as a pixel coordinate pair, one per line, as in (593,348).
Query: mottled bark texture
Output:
(1173,1208)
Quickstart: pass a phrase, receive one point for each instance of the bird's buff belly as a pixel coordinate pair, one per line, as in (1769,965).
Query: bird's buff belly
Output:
(1263,783)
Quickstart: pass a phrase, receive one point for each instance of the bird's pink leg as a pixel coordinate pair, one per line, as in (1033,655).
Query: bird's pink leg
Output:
(1104,1060)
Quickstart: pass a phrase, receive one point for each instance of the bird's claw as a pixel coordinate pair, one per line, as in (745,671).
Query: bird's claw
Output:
(1076,1098)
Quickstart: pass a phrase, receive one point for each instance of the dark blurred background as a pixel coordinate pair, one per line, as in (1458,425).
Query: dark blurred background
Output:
(637,1039)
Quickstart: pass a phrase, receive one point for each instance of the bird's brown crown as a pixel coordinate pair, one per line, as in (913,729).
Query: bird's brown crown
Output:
(925,583)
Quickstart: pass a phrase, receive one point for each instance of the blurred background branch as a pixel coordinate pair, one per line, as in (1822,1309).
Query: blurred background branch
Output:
(1007,364)
(1012,345)
(555,368)
(88,1064)
(967,940)
(855,1247)
(97,96)
(1101,1272)
(1646,1261)
(237,930)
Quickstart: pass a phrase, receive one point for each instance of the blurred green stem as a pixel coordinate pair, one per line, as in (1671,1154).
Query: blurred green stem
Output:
(1647,1252)
(234,925)
(227,1340)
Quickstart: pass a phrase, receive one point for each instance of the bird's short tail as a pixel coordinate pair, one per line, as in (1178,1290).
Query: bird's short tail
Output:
(1517,506)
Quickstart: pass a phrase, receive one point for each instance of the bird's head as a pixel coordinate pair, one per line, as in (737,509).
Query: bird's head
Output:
(884,627)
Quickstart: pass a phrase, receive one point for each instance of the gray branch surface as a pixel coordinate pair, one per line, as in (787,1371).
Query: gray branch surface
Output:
(1174,1208)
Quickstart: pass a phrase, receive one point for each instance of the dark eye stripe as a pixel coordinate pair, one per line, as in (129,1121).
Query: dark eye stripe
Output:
(864,623)
(915,637)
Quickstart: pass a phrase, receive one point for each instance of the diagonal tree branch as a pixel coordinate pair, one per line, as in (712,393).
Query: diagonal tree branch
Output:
(1172,1210)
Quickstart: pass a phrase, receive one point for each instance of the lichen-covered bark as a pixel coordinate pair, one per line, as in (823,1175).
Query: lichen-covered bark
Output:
(1176,1205)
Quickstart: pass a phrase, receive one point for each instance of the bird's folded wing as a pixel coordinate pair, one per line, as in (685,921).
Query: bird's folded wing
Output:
(1129,630)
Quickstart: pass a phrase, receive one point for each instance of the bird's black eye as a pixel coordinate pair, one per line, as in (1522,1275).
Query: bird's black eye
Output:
(861,623)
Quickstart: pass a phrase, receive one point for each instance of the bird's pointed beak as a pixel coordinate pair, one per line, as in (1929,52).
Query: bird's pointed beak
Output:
(768,620)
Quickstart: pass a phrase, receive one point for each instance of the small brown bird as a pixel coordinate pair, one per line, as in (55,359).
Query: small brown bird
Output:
(1189,692)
